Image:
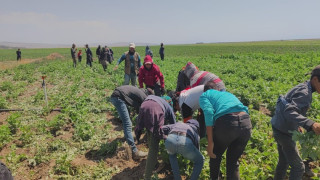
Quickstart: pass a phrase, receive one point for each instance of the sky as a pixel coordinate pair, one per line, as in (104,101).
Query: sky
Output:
(151,21)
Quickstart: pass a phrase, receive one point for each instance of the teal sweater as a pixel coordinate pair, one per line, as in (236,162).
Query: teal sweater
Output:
(216,104)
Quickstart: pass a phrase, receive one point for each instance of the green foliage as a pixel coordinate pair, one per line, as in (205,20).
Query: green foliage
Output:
(26,135)
(3,103)
(14,122)
(6,86)
(310,144)
(56,124)
(5,135)
(84,131)
(63,166)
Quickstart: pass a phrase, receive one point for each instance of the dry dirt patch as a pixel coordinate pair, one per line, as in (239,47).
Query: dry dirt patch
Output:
(11,64)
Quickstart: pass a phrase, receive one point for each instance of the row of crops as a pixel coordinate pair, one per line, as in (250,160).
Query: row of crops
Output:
(38,139)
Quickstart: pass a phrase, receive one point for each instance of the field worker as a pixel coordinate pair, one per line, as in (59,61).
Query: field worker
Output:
(150,75)
(187,102)
(111,53)
(89,55)
(104,58)
(73,55)
(132,65)
(18,55)
(122,97)
(154,113)
(161,51)
(183,138)
(148,52)
(80,56)
(98,52)
(290,114)
(202,77)
(183,81)
(228,128)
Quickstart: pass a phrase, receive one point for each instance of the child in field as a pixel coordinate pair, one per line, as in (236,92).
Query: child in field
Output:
(183,138)
(79,55)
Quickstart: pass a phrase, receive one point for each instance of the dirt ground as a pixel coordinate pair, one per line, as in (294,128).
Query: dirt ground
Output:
(11,64)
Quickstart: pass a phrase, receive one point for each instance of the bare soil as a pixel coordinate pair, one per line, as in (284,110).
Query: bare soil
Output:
(11,64)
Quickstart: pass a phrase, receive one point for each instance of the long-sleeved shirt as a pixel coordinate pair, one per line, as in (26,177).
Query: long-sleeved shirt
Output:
(216,104)
(123,57)
(150,76)
(187,128)
(73,52)
(292,108)
(89,53)
(145,118)
(132,95)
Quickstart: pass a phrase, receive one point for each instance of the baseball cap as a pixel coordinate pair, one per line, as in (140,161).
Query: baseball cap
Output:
(132,45)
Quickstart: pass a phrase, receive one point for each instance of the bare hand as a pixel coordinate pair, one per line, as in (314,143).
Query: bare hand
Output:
(210,150)
(316,128)
(115,68)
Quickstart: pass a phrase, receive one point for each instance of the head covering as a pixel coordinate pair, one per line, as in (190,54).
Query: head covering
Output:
(316,71)
(148,60)
(190,70)
(132,45)
(168,99)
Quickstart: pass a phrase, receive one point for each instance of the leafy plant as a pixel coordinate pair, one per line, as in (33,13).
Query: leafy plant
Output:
(14,122)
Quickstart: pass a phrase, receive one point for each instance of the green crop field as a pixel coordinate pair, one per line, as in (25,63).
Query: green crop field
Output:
(85,140)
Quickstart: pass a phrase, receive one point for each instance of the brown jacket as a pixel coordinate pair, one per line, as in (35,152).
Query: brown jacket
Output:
(127,68)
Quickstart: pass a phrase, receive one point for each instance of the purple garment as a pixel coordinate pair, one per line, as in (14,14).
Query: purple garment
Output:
(190,128)
(152,115)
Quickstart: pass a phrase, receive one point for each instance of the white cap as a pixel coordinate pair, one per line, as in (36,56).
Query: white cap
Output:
(132,45)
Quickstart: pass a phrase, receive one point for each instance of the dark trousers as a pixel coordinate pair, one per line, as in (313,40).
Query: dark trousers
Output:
(18,58)
(79,58)
(157,89)
(288,155)
(89,62)
(231,133)
(162,56)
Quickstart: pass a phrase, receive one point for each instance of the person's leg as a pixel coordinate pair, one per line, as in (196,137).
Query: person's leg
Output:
(189,151)
(126,79)
(153,143)
(157,90)
(292,156)
(171,147)
(235,150)
(133,78)
(126,122)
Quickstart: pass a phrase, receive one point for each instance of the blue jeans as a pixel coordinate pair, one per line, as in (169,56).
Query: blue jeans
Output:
(184,146)
(128,77)
(126,122)
(288,155)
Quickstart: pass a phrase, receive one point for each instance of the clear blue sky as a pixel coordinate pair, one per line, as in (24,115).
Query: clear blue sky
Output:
(168,21)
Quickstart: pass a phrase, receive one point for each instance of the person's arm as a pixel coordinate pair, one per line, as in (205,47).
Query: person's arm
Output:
(166,129)
(141,78)
(139,128)
(123,57)
(161,79)
(294,109)
(139,62)
(210,142)
(316,128)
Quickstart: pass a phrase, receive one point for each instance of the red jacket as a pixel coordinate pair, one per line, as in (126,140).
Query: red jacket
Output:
(150,77)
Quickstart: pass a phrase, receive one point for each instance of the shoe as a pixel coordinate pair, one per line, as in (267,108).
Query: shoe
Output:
(139,154)
(309,173)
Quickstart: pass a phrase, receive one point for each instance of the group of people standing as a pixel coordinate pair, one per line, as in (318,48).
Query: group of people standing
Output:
(221,117)
(78,55)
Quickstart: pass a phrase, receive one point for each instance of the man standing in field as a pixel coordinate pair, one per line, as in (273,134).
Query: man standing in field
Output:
(73,55)
(132,65)
(89,55)
(18,55)
(161,51)
(290,115)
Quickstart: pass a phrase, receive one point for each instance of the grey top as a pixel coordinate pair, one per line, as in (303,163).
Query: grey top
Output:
(291,109)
